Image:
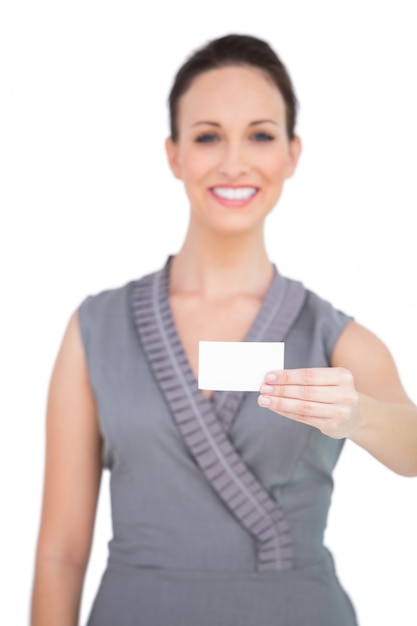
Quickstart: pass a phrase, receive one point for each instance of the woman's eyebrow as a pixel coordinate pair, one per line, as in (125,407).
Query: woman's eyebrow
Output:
(254,123)
(204,122)
(263,122)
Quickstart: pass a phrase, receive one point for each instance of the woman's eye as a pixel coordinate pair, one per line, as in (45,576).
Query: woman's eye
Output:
(206,138)
(263,137)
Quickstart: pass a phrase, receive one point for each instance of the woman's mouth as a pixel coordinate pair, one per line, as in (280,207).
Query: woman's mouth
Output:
(233,196)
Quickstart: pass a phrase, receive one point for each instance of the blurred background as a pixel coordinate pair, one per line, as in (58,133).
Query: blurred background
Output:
(88,203)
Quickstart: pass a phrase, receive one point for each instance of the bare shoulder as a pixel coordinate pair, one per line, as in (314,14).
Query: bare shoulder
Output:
(70,368)
(371,363)
(71,401)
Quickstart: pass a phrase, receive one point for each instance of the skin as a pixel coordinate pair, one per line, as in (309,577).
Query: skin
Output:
(221,274)
(360,396)
(72,480)
(218,280)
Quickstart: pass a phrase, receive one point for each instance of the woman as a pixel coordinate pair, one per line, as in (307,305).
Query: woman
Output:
(219,499)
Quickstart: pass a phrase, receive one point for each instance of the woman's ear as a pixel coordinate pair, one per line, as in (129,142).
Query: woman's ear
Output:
(171,149)
(294,149)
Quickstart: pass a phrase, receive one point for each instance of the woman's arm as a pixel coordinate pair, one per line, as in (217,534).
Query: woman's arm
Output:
(72,480)
(387,420)
(360,397)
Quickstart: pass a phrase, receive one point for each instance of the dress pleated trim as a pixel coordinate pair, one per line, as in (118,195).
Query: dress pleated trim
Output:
(205,424)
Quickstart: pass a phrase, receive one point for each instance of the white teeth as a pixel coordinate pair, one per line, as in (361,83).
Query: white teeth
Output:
(234,193)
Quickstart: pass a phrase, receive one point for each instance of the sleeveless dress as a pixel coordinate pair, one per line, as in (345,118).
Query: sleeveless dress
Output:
(218,506)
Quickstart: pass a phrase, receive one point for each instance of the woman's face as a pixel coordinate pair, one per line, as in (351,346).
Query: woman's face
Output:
(232,152)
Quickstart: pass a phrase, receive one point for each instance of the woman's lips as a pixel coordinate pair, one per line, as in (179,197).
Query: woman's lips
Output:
(233,196)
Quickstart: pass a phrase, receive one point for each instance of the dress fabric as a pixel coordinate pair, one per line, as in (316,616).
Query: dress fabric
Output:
(218,506)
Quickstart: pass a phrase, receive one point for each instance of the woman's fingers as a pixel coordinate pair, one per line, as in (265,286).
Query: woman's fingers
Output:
(310,393)
(310,376)
(322,397)
(304,409)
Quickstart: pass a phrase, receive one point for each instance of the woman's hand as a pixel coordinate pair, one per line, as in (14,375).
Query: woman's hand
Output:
(325,398)
(374,411)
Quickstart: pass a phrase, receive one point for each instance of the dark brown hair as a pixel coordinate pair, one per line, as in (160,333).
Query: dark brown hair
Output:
(234,50)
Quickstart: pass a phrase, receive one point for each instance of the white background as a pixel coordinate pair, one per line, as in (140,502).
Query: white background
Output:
(88,202)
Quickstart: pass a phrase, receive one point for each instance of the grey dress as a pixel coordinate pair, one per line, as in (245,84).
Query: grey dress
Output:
(218,506)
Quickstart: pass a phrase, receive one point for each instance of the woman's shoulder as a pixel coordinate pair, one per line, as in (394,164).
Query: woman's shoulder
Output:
(321,306)
(321,320)
(106,297)
(112,297)
(104,313)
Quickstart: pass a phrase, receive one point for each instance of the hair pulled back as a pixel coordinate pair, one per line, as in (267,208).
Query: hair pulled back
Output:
(234,50)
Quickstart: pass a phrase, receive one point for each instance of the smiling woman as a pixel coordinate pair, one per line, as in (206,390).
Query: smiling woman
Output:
(219,498)
(232,148)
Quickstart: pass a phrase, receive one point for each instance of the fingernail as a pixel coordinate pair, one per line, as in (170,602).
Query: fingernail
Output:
(264,400)
(267,389)
(271,377)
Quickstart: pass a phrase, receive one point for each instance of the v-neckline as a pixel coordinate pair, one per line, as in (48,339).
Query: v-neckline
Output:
(226,403)
(205,424)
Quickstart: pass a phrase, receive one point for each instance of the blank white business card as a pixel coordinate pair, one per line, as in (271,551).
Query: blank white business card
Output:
(237,365)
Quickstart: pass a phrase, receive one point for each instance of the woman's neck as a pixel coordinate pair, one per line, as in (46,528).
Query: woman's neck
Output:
(217,266)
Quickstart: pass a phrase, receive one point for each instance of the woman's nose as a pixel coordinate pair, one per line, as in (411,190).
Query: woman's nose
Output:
(233,162)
